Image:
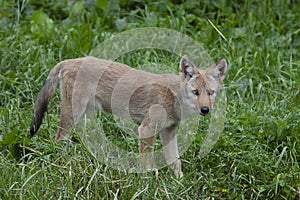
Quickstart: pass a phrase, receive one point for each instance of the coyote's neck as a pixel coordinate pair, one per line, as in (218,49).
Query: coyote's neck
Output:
(182,107)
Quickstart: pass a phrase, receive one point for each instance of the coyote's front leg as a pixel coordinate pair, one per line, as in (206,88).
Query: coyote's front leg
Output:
(152,124)
(146,137)
(169,142)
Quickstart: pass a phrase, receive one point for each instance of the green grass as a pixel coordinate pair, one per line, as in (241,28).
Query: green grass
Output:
(258,153)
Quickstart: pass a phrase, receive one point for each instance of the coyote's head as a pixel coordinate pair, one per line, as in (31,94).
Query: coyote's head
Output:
(200,87)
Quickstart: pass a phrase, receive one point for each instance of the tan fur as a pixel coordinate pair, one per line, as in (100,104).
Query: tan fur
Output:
(158,101)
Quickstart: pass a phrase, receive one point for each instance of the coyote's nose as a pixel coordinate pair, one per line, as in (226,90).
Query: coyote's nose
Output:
(204,110)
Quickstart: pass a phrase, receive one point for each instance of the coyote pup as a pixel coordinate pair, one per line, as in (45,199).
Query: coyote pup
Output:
(157,101)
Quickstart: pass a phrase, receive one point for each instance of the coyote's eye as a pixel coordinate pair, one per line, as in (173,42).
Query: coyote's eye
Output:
(195,92)
(210,92)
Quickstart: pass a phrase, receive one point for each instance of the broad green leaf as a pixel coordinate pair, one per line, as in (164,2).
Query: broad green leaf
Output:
(42,25)
(102,4)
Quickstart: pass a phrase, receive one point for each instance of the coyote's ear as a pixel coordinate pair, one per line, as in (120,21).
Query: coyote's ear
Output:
(218,70)
(187,68)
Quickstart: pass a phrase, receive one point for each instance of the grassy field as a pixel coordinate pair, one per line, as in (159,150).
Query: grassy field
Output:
(256,157)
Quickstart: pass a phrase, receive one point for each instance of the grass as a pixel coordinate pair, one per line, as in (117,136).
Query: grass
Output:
(258,153)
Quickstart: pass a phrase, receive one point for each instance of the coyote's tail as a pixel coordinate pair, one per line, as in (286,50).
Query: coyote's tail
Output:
(43,98)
